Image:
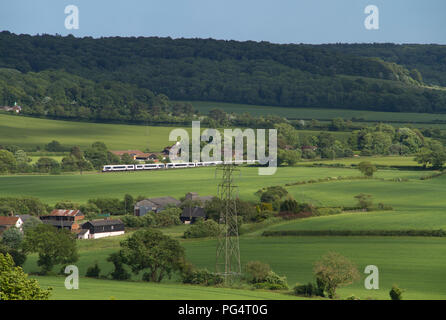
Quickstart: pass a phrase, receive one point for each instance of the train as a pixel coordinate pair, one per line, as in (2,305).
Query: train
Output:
(158,166)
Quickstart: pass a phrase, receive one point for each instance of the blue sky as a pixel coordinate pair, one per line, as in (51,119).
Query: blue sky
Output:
(279,21)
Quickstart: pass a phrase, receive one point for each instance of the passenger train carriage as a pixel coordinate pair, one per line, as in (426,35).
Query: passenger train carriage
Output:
(157,166)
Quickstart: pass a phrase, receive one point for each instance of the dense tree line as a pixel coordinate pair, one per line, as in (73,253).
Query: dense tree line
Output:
(129,79)
(427,61)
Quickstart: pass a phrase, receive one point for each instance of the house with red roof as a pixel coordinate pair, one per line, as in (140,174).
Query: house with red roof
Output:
(9,222)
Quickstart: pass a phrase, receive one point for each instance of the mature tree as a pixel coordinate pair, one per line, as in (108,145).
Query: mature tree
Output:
(46,165)
(364,200)
(119,273)
(76,152)
(30,223)
(66,205)
(334,271)
(290,157)
(153,251)
(287,134)
(15,284)
(7,161)
(54,246)
(54,146)
(367,168)
(12,238)
(127,159)
(433,154)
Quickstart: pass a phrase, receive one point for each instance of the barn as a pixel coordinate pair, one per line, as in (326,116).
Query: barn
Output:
(104,228)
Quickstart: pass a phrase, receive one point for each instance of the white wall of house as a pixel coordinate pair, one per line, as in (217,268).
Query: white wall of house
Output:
(19,224)
(105,234)
(85,235)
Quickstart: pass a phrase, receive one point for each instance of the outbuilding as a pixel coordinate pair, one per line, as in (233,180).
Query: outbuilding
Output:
(104,228)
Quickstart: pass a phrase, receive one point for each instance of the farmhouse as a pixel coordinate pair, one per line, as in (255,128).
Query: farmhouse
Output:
(15,108)
(8,222)
(136,155)
(154,204)
(103,228)
(190,215)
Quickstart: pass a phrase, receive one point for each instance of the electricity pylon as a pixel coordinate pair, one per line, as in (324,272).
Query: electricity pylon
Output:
(228,249)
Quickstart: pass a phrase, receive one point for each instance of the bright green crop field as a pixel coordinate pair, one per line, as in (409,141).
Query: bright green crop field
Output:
(31,132)
(176,182)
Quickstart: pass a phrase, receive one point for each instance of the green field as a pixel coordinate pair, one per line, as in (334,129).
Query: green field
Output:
(93,289)
(401,260)
(417,264)
(376,160)
(32,132)
(319,114)
(176,183)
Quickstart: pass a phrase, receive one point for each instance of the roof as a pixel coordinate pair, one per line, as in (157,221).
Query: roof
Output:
(194,212)
(131,152)
(158,202)
(83,232)
(103,222)
(66,213)
(24,217)
(195,197)
(8,221)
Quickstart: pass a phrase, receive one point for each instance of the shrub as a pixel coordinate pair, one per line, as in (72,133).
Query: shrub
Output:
(272,281)
(167,217)
(305,290)
(327,211)
(93,271)
(201,277)
(202,228)
(256,271)
(396,293)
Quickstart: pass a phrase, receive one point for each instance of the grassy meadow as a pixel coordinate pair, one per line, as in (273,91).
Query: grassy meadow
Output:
(176,183)
(31,132)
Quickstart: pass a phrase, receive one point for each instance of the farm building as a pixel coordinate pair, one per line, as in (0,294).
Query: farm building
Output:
(137,155)
(16,108)
(190,215)
(24,217)
(8,222)
(63,224)
(155,205)
(63,215)
(83,234)
(103,228)
(63,219)
(193,196)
